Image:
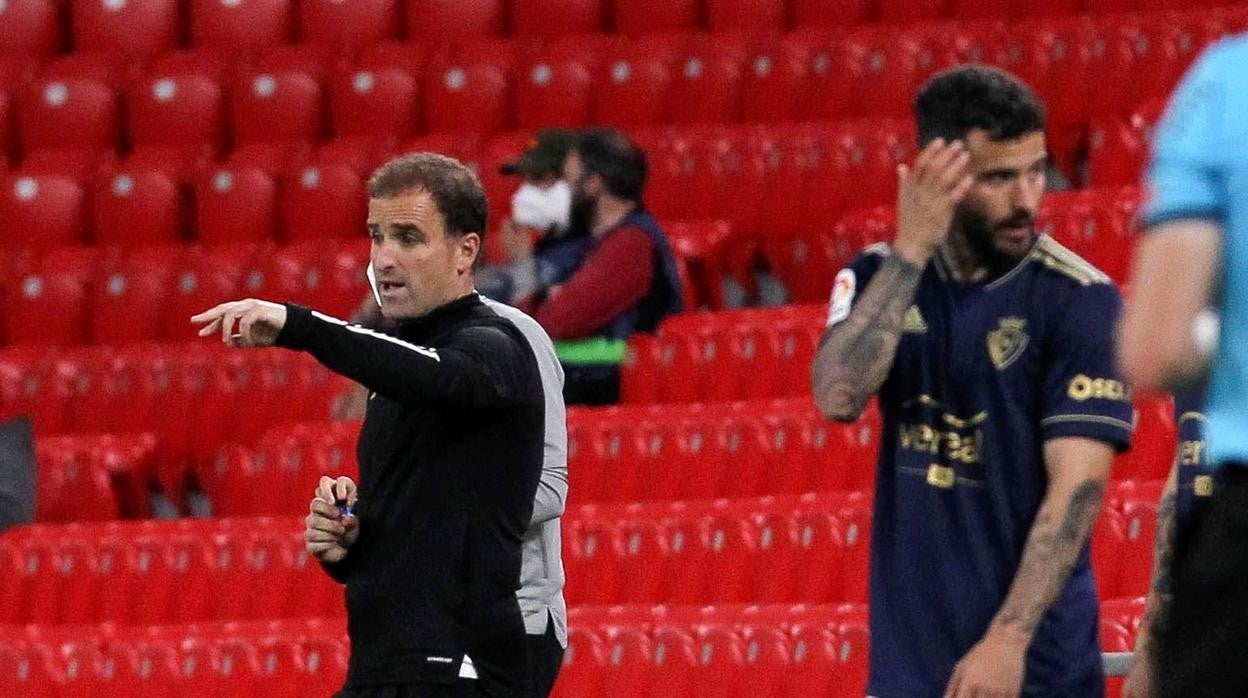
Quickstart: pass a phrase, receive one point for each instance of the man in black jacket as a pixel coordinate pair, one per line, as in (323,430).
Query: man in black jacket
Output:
(450,451)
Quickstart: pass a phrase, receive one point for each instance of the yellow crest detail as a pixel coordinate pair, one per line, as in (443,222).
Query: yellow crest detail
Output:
(1007,342)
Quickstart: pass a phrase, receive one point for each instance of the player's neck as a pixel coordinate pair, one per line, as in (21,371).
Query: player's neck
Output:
(965,263)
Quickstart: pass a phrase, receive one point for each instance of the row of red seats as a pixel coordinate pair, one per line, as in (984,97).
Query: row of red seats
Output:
(97,477)
(187,395)
(731,650)
(295,93)
(73,295)
(289,658)
(808,548)
(165,572)
(712,450)
(137,207)
(142,29)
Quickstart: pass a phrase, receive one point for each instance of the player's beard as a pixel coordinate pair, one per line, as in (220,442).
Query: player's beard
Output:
(981,237)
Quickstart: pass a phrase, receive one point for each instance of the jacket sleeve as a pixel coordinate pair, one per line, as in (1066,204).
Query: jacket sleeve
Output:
(339,571)
(480,367)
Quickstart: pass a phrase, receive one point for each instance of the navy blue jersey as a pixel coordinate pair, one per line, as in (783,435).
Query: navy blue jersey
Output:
(984,374)
(1195,483)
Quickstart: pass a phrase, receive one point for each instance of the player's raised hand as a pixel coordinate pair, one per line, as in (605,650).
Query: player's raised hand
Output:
(927,193)
(258,322)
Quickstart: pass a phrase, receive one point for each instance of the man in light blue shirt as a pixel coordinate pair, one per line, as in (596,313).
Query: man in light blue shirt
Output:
(1191,270)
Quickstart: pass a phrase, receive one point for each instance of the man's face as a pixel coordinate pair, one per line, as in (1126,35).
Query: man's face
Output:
(418,266)
(998,216)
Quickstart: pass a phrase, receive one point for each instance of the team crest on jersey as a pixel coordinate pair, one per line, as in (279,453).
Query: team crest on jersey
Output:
(1007,342)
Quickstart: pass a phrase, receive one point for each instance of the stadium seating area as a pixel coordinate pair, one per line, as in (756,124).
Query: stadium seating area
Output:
(158,157)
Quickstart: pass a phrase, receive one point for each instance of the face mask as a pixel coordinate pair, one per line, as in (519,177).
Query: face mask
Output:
(542,209)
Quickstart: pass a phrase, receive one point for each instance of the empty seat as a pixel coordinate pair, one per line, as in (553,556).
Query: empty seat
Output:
(239,25)
(69,114)
(775,80)
(324,202)
(137,29)
(707,83)
(348,22)
(552,92)
(639,17)
(632,87)
(377,104)
(553,18)
(235,206)
(39,212)
(180,114)
(818,13)
(138,208)
(431,20)
(463,98)
(30,28)
(277,108)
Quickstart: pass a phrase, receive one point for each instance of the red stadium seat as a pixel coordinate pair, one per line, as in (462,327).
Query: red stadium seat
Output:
(751,16)
(592,552)
(137,291)
(30,28)
(182,114)
(728,540)
(1154,440)
(375,104)
(632,86)
(820,550)
(138,208)
(722,659)
(461,98)
(554,18)
(628,654)
(775,80)
(852,651)
(39,212)
(707,84)
(239,25)
(768,655)
(348,23)
(323,202)
(431,19)
(639,17)
(815,667)
(137,29)
(553,92)
(235,206)
(277,108)
(70,114)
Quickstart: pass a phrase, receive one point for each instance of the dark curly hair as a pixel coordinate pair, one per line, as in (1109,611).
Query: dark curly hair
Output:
(954,102)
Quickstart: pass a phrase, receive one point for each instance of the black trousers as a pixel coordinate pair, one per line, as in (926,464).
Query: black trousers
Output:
(545,660)
(1201,641)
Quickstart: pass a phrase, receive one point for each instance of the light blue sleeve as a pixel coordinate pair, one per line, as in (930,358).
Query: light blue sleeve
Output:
(1186,174)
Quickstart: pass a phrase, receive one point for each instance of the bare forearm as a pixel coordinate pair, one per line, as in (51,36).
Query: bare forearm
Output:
(1159,594)
(1057,537)
(855,356)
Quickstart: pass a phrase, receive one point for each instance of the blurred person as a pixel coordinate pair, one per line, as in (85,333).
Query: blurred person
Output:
(1183,502)
(1189,289)
(628,281)
(536,239)
(990,350)
(429,544)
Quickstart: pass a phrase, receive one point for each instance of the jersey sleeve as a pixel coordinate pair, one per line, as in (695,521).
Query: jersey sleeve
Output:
(1083,393)
(851,281)
(1184,178)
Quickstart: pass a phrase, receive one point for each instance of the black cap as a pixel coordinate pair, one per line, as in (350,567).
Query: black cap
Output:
(543,155)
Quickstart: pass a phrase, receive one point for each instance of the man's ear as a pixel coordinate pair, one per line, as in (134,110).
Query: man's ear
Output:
(469,248)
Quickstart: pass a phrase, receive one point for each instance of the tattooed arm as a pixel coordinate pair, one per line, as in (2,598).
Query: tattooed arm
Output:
(1139,680)
(1078,468)
(855,355)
